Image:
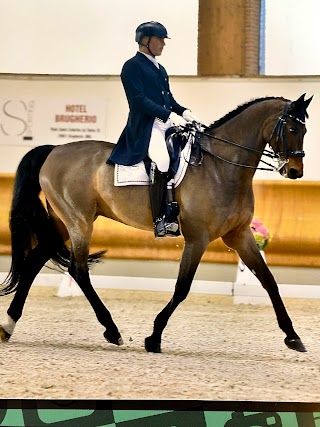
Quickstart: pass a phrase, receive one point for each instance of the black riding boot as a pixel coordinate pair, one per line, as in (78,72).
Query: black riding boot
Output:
(163,226)
(172,213)
(158,188)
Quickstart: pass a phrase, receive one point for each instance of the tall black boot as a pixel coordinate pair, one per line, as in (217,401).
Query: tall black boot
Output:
(172,212)
(158,189)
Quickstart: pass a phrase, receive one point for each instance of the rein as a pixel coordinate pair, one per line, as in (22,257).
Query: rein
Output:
(265,152)
(280,131)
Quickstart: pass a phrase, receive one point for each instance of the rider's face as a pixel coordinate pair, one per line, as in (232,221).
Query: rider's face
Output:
(156,45)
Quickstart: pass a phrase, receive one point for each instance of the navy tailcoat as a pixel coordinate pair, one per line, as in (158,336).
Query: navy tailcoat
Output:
(149,97)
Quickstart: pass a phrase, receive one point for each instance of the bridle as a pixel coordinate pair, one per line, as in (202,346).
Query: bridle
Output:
(279,130)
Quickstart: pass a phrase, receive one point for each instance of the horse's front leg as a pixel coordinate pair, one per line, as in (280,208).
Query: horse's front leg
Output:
(191,257)
(244,243)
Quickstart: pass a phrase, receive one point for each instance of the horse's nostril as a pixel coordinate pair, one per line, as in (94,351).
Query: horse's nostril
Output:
(294,173)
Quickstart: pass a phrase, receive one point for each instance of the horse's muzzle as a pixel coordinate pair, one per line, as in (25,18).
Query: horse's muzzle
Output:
(292,171)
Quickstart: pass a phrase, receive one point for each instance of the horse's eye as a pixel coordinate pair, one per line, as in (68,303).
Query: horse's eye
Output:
(293,130)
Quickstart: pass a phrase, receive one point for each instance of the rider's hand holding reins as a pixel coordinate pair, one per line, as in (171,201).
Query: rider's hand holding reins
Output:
(187,116)
(177,120)
(190,117)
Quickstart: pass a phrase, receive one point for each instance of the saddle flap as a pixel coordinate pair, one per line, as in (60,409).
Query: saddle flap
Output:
(176,140)
(139,174)
(196,151)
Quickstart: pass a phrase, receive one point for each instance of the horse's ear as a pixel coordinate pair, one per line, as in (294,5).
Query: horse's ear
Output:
(301,98)
(298,108)
(307,102)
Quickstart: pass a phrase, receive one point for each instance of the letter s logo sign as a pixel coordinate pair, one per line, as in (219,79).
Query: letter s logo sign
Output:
(16,124)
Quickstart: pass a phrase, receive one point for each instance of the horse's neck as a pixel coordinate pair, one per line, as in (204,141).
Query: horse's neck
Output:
(247,129)
(241,141)
(252,127)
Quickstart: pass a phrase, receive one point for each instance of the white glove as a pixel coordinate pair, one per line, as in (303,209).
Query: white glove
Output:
(177,120)
(189,117)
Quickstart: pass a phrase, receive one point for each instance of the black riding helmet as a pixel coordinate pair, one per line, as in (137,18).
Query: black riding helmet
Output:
(149,29)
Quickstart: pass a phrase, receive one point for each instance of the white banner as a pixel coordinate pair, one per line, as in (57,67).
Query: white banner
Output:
(51,120)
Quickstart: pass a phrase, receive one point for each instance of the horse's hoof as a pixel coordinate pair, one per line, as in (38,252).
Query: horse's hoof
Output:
(4,336)
(117,340)
(295,344)
(152,346)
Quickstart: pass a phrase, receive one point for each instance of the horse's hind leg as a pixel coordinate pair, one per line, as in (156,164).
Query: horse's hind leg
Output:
(80,272)
(192,254)
(250,255)
(33,263)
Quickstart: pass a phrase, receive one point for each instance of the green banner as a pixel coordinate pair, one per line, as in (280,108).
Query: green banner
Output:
(30,413)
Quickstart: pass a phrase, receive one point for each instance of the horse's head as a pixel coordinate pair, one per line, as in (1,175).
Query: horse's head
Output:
(287,137)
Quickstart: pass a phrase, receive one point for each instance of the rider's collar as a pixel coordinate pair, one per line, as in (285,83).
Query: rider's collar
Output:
(151,58)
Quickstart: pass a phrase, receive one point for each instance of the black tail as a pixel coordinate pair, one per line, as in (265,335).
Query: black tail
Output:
(30,223)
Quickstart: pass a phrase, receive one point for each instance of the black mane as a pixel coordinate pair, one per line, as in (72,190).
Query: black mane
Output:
(238,110)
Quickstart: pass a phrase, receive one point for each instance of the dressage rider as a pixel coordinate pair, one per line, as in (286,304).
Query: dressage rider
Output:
(152,111)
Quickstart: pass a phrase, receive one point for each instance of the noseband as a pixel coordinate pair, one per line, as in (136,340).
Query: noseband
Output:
(280,131)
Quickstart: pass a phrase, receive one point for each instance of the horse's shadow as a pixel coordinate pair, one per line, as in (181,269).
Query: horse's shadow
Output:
(138,348)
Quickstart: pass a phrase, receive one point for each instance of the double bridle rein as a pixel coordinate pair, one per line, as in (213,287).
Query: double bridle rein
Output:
(279,130)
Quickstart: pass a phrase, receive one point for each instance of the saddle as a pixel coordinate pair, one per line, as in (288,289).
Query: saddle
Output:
(176,139)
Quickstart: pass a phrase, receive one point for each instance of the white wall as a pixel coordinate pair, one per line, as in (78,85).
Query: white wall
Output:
(292,35)
(209,98)
(97,36)
(92,36)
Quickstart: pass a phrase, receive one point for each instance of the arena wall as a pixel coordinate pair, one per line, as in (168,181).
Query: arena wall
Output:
(290,209)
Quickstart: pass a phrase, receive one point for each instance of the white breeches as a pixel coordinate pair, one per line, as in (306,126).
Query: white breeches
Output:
(158,152)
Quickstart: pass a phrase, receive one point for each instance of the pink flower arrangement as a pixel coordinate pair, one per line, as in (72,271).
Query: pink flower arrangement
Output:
(260,233)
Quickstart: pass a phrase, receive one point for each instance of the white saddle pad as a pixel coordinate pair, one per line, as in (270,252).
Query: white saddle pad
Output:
(137,175)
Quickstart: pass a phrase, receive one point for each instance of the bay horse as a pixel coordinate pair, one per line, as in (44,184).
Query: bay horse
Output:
(216,200)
